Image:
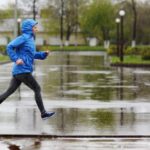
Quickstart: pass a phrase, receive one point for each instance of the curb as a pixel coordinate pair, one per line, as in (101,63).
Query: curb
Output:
(130,65)
(71,136)
(5,62)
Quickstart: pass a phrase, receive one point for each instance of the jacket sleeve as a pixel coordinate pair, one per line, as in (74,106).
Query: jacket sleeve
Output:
(40,55)
(12,47)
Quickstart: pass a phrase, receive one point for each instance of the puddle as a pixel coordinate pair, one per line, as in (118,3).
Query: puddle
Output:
(88,96)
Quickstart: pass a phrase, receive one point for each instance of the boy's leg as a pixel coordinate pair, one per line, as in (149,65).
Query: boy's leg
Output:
(14,84)
(29,80)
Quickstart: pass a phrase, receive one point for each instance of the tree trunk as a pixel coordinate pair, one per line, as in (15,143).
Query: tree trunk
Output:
(68,34)
(106,37)
(134,23)
(76,26)
(61,23)
(34,10)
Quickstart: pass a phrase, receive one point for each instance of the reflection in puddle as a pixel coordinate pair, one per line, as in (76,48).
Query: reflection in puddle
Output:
(92,72)
(88,96)
(141,72)
(83,144)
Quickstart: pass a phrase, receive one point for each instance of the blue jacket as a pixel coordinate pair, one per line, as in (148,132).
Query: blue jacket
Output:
(23,47)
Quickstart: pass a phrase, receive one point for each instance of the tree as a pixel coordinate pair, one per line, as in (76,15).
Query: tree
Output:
(7,13)
(62,16)
(143,23)
(71,18)
(28,8)
(97,20)
(136,21)
(51,17)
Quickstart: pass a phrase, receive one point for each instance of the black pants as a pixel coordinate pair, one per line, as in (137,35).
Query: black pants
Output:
(28,80)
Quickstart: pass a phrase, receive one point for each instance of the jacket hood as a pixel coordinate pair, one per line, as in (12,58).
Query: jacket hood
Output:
(27,26)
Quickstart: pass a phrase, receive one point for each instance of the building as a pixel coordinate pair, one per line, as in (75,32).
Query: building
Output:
(42,38)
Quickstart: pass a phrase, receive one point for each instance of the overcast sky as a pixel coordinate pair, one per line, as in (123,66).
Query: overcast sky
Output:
(4,3)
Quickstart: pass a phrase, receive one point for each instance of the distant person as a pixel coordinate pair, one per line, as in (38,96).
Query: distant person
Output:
(22,52)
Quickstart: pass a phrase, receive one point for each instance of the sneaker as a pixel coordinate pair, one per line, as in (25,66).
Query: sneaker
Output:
(47,115)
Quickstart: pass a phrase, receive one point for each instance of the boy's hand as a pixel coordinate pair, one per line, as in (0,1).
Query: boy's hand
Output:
(19,62)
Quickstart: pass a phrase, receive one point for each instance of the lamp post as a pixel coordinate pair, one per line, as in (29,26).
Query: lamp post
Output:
(118,37)
(18,25)
(122,14)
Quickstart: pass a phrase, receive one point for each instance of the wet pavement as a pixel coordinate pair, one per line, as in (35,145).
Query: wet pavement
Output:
(89,98)
(75,144)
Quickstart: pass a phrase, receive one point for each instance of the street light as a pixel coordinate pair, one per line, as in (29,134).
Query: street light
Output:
(118,37)
(122,14)
(18,25)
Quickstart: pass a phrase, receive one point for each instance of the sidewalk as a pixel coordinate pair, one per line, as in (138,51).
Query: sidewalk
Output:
(19,115)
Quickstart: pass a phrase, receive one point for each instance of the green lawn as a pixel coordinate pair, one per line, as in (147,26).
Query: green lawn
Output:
(4,58)
(72,48)
(130,59)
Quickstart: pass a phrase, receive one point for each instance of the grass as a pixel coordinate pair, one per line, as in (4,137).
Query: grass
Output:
(130,59)
(72,48)
(4,58)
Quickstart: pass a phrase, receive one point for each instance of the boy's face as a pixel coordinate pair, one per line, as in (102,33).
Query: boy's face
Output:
(35,29)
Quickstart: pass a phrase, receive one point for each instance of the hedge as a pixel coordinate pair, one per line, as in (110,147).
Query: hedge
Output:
(143,51)
(71,48)
(3,49)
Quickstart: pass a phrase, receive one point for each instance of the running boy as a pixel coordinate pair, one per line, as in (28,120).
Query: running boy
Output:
(22,52)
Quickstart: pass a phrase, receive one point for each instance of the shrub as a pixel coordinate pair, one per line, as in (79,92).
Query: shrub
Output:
(112,50)
(132,50)
(3,49)
(71,48)
(145,53)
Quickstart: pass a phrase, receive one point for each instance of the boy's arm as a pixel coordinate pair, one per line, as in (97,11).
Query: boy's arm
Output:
(12,46)
(41,55)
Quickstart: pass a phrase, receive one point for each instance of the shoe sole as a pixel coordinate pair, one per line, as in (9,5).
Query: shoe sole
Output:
(45,118)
